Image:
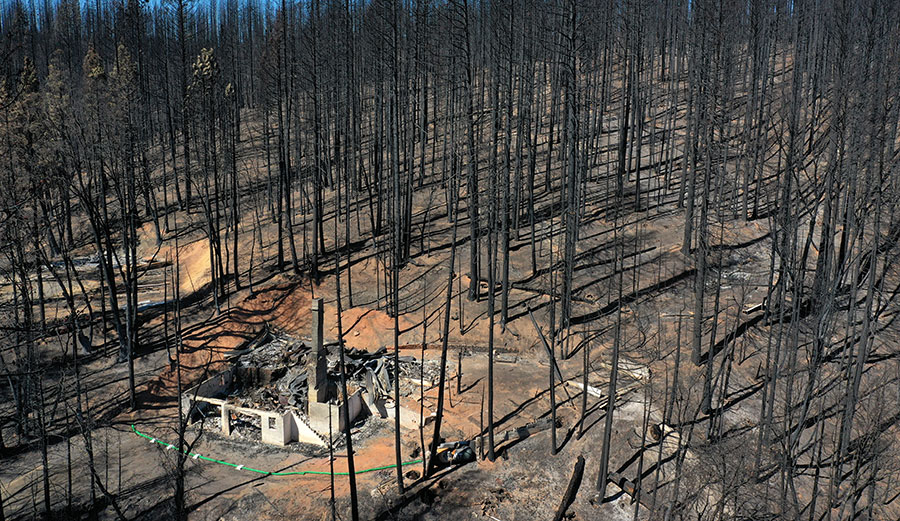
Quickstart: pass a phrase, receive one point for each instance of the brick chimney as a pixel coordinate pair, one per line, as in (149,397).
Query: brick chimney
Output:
(317,369)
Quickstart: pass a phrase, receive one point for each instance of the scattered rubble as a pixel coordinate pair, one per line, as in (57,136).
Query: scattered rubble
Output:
(267,394)
(274,350)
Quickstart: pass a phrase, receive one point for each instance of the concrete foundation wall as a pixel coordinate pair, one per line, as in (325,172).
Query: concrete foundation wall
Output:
(356,407)
(408,419)
(318,414)
(303,433)
(216,386)
(276,427)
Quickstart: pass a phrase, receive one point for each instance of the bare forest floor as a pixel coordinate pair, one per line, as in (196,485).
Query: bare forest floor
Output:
(526,481)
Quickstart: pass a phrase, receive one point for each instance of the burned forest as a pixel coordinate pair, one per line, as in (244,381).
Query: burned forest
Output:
(449,259)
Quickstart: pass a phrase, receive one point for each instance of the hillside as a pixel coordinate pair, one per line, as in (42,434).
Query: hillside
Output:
(662,237)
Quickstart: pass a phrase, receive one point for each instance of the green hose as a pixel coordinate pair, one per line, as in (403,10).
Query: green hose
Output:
(242,467)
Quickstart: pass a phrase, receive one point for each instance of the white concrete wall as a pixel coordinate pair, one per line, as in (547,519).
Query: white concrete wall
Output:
(213,387)
(276,427)
(303,433)
(318,414)
(408,419)
(356,406)
(318,417)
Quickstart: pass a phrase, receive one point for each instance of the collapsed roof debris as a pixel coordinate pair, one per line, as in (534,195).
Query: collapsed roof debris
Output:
(268,388)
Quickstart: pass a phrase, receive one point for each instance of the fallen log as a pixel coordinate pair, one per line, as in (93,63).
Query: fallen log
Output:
(550,356)
(520,433)
(627,486)
(623,483)
(571,490)
(591,390)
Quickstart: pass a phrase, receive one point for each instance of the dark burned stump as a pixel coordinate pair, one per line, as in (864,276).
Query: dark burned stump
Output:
(571,490)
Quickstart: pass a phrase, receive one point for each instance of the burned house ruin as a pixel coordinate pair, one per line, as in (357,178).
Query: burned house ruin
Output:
(287,389)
